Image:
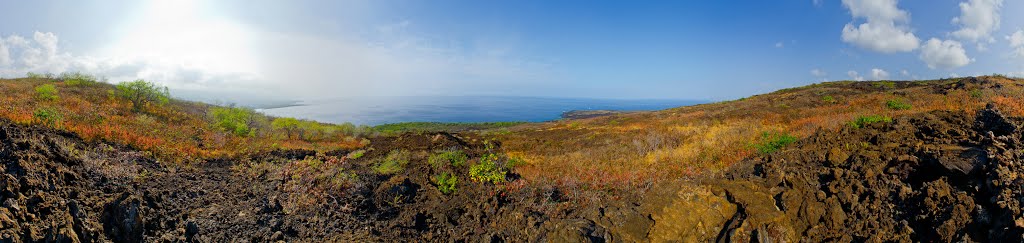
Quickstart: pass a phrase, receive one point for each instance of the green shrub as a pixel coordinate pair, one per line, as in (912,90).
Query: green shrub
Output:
(446,183)
(142,93)
(49,116)
(975,93)
(289,125)
(862,121)
(884,84)
(487,170)
(77,78)
(46,92)
(357,154)
(897,105)
(828,99)
(393,163)
(234,119)
(773,141)
(34,75)
(455,158)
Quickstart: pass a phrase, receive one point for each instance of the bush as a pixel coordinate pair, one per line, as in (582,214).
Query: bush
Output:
(773,141)
(455,158)
(77,78)
(487,170)
(46,92)
(897,105)
(142,93)
(862,121)
(446,183)
(39,75)
(828,99)
(395,162)
(289,125)
(233,119)
(49,116)
(357,154)
(884,84)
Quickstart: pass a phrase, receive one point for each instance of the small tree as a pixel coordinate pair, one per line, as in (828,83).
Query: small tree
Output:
(233,119)
(289,125)
(141,93)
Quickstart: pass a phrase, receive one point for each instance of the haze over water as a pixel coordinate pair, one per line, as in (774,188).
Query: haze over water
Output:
(381,110)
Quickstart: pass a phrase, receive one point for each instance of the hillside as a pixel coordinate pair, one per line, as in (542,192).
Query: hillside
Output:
(840,161)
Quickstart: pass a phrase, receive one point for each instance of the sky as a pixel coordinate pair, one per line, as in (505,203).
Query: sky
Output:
(697,50)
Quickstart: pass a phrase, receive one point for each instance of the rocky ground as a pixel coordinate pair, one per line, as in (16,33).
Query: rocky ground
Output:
(939,176)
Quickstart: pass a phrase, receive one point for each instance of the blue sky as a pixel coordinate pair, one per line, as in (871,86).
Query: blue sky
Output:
(603,49)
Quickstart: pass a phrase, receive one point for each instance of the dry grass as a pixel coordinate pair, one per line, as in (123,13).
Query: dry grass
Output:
(177,133)
(636,150)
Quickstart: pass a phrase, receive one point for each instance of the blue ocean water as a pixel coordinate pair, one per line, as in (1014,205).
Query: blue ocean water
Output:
(381,110)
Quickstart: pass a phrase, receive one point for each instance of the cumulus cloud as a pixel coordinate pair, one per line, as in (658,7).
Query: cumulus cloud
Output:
(884,30)
(854,75)
(879,74)
(1016,43)
(945,54)
(818,73)
(19,55)
(978,20)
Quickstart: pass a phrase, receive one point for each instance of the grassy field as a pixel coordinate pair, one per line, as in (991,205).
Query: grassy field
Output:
(639,149)
(177,132)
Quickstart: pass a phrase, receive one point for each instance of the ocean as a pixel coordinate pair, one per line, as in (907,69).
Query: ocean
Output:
(382,110)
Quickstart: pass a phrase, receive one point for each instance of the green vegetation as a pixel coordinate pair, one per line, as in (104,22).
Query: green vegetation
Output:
(773,141)
(828,99)
(77,78)
(235,120)
(975,93)
(46,92)
(357,154)
(393,163)
(396,128)
(289,125)
(446,183)
(862,121)
(487,170)
(897,105)
(455,158)
(884,84)
(39,75)
(48,115)
(142,93)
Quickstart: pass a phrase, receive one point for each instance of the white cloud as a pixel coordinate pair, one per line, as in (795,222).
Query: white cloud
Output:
(946,54)
(39,54)
(885,28)
(854,75)
(1016,43)
(879,74)
(818,73)
(779,45)
(817,3)
(978,20)
(904,72)
(5,54)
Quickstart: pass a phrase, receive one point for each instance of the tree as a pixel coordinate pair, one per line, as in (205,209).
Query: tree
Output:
(234,119)
(289,125)
(141,93)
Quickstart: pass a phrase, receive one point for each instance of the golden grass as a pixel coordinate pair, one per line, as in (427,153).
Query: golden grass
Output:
(638,149)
